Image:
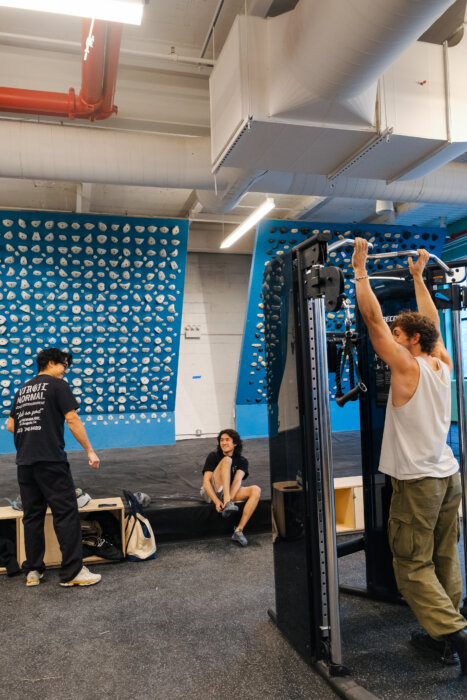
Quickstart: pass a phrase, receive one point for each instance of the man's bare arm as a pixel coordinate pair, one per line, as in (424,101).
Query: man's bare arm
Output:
(10,425)
(425,303)
(78,431)
(380,334)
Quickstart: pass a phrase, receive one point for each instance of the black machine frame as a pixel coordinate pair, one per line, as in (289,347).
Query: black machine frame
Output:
(306,550)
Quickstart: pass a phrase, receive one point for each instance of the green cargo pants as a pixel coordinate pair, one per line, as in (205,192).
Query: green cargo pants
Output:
(423,533)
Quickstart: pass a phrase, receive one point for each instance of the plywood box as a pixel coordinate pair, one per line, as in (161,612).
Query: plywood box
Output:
(53,555)
(348,500)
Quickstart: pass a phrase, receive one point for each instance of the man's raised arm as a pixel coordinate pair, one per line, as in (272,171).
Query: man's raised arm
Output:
(425,303)
(368,305)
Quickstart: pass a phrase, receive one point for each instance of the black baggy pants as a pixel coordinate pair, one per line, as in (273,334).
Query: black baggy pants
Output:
(50,483)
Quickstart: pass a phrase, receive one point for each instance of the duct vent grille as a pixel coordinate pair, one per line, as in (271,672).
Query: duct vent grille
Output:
(356,157)
(244,127)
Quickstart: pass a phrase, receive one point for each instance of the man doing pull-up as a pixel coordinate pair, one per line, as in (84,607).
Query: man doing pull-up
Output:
(423,522)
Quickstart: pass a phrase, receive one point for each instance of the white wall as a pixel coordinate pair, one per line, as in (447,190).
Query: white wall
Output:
(215,298)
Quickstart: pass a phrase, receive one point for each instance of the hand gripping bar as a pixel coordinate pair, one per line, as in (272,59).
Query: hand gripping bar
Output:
(399,253)
(342,242)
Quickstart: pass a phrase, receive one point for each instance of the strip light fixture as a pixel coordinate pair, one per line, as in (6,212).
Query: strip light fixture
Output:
(253,219)
(123,11)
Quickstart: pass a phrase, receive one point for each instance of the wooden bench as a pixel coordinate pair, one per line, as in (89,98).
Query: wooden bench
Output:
(53,556)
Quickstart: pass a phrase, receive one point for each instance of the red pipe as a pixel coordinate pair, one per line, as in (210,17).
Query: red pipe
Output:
(36,102)
(92,67)
(112,54)
(99,76)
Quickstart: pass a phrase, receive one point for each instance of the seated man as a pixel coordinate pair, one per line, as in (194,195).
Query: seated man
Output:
(223,473)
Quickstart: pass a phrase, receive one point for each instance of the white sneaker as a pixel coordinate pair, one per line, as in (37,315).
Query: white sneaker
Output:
(84,578)
(33,578)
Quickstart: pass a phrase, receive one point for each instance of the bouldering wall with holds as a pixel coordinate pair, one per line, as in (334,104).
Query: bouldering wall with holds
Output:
(109,290)
(274,239)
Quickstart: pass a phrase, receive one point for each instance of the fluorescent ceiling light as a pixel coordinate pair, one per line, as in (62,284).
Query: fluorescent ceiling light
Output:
(124,11)
(253,219)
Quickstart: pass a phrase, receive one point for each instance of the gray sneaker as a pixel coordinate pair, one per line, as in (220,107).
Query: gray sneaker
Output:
(82,497)
(228,509)
(33,578)
(239,537)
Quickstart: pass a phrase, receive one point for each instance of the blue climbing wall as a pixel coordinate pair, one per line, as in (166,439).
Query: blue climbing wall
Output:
(273,239)
(110,290)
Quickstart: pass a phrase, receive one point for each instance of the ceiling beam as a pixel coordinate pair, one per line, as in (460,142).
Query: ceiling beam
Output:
(215,218)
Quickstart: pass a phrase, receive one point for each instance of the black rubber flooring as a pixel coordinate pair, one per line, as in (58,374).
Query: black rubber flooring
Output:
(193,623)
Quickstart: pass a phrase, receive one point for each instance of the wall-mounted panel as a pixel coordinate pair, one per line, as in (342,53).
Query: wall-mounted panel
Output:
(273,239)
(109,290)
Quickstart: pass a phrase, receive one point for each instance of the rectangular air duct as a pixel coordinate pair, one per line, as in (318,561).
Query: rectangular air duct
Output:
(404,125)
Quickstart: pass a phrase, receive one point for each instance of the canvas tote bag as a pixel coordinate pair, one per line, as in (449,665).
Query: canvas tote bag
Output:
(139,538)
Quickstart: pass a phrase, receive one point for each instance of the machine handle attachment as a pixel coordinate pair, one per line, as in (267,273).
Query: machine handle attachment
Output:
(351,395)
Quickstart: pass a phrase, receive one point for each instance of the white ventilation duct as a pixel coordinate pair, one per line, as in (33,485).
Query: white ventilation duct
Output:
(332,50)
(80,154)
(352,44)
(240,182)
(299,92)
(83,154)
(447,185)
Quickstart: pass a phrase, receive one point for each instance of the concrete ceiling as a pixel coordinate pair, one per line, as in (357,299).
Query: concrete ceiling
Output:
(155,94)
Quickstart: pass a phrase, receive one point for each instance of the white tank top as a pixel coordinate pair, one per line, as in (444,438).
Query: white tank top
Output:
(414,439)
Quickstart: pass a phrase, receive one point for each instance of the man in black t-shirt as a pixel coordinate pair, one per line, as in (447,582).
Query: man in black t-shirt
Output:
(223,473)
(40,409)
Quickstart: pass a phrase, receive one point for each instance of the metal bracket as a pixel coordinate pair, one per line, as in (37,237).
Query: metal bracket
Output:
(327,282)
(314,250)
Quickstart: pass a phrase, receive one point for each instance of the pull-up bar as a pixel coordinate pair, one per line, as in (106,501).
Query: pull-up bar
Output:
(391,254)
(396,254)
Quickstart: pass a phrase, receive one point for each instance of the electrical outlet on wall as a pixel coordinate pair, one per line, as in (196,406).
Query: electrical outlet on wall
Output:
(192,330)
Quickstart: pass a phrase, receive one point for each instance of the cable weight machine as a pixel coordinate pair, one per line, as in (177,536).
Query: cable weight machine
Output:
(299,287)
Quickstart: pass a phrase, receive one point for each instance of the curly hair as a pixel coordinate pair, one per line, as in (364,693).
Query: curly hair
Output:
(235,437)
(54,355)
(412,322)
